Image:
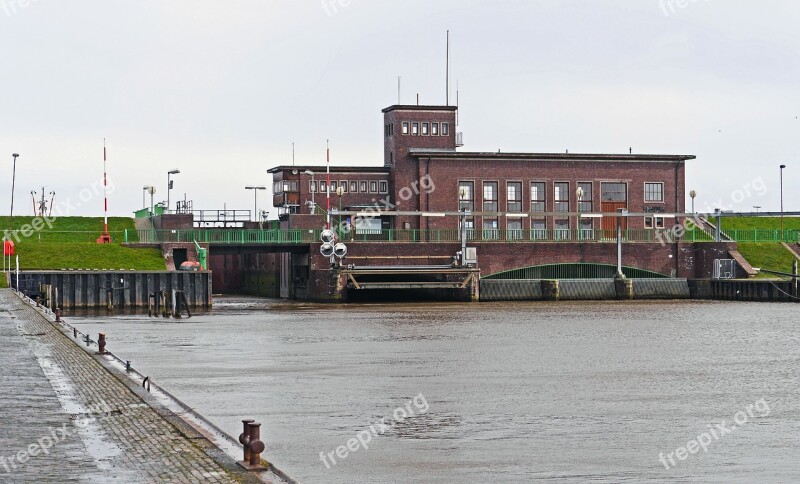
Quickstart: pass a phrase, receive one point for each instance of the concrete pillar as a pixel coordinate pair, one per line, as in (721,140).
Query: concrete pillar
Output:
(623,288)
(551,290)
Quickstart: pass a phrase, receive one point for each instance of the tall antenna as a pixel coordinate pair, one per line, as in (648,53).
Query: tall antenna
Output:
(292,153)
(457,105)
(328,184)
(398,90)
(447,75)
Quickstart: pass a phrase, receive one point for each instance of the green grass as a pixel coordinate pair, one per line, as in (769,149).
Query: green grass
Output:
(70,244)
(767,255)
(752,223)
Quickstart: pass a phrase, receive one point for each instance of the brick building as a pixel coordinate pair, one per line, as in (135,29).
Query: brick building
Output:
(545,196)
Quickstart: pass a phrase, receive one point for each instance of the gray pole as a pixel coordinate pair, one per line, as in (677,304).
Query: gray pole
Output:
(13,183)
(719,225)
(619,274)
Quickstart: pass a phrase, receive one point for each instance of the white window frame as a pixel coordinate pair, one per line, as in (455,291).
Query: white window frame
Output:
(663,195)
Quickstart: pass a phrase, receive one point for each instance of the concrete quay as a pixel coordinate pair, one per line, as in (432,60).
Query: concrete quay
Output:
(67,415)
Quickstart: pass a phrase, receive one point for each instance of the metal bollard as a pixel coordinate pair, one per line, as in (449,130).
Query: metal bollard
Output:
(75,333)
(128,365)
(244,439)
(256,446)
(58,315)
(101,343)
(87,340)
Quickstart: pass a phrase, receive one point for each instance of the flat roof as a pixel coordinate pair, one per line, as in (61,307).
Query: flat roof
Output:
(415,107)
(320,169)
(549,156)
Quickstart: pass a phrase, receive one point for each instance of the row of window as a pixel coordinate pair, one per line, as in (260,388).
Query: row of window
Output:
(540,224)
(363,186)
(416,128)
(562,195)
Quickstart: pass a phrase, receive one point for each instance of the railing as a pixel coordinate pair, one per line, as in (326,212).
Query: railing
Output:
(306,236)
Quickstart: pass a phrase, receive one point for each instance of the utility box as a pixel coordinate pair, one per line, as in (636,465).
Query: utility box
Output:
(471,255)
(724,269)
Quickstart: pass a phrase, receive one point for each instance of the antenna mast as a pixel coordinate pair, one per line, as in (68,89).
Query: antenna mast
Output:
(447,75)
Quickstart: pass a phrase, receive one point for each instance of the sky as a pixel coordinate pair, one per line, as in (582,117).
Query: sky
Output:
(221,90)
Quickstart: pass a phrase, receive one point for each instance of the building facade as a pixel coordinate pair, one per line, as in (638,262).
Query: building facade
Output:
(537,196)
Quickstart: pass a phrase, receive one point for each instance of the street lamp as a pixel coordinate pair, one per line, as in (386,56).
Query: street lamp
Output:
(144,192)
(692,194)
(169,184)
(340,192)
(255,197)
(13,182)
(313,185)
(756,207)
(579,194)
(782,167)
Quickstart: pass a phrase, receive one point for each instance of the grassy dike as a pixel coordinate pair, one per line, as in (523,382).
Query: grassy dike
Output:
(69,243)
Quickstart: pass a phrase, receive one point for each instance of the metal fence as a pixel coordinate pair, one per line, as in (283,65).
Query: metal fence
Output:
(305,236)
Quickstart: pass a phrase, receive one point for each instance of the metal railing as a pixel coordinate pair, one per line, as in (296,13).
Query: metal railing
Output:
(306,236)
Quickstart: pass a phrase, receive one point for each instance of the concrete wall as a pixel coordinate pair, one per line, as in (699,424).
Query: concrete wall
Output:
(581,289)
(130,289)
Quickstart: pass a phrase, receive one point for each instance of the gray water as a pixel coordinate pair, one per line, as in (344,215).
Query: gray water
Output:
(516,392)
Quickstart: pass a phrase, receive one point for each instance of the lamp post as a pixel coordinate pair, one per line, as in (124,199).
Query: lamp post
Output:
(756,207)
(782,167)
(313,184)
(13,183)
(144,192)
(340,192)
(693,194)
(255,197)
(169,184)
(152,191)
(579,195)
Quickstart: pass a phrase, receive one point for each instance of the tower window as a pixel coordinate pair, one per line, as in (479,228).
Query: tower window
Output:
(445,129)
(414,129)
(434,129)
(405,127)
(425,129)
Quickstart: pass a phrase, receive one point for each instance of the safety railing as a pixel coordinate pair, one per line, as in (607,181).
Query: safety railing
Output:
(305,236)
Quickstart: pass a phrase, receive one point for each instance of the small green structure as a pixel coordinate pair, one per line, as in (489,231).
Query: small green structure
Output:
(202,256)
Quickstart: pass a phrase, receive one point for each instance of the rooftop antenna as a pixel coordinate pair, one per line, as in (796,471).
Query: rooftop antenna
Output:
(292,153)
(447,75)
(398,90)
(328,184)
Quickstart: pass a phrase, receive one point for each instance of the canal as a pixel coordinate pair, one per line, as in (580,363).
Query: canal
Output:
(594,391)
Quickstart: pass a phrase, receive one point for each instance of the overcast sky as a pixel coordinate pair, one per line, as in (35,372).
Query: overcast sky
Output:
(221,89)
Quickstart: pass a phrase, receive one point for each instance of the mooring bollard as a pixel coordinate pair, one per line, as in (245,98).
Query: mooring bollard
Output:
(256,446)
(87,340)
(58,315)
(244,439)
(128,366)
(75,333)
(101,343)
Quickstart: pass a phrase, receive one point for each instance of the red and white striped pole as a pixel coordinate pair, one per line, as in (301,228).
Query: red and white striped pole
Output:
(106,237)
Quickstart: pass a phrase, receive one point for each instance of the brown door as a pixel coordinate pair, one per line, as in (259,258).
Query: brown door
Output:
(610,223)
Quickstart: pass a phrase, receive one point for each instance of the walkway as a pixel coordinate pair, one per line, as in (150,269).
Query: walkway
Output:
(66,418)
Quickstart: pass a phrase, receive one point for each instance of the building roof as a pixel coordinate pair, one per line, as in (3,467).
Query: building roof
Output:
(321,169)
(414,107)
(450,154)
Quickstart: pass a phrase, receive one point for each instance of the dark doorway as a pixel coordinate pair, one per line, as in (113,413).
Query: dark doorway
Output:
(179,256)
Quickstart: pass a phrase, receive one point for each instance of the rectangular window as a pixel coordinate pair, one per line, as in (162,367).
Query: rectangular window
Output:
(490,229)
(538,229)
(333,186)
(490,196)
(466,196)
(414,129)
(434,129)
(562,229)
(384,187)
(353,187)
(561,196)
(290,186)
(613,192)
(654,222)
(653,192)
(343,184)
(469,224)
(323,187)
(373,187)
(405,127)
(313,186)
(445,129)
(514,194)
(514,229)
(277,187)
(425,129)
(391,129)
(537,197)
(363,187)
(585,200)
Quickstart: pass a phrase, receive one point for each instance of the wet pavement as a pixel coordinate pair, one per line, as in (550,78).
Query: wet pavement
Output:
(64,417)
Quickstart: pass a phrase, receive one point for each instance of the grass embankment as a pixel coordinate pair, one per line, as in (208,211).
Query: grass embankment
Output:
(765,255)
(71,244)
